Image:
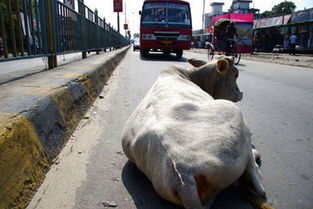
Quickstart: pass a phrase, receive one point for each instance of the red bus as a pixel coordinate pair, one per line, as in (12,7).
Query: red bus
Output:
(165,25)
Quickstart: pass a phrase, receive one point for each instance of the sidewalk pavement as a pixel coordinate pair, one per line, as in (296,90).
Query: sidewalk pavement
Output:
(301,60)
(38,114)
(13,70)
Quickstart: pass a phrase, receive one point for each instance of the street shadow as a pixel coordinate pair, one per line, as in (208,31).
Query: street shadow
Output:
(240,65)
(157,57)
(145,197)
(16,75)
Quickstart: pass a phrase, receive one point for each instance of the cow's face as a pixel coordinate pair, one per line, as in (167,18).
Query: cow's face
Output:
(222,76)
(226,86)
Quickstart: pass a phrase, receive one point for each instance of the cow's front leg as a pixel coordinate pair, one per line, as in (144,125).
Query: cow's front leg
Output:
(251,185)
(257,156)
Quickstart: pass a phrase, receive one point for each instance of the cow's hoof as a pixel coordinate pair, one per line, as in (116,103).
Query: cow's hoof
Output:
(257,156)
(258,160)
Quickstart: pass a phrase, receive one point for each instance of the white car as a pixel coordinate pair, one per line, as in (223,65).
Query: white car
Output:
(136,44)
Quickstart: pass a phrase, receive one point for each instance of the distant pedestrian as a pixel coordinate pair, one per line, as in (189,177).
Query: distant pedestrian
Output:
(293,41)
(199,44)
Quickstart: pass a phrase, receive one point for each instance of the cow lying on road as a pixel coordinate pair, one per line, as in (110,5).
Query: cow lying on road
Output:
(189,140)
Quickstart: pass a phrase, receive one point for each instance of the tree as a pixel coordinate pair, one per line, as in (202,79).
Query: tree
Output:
(267,14)
(283,8)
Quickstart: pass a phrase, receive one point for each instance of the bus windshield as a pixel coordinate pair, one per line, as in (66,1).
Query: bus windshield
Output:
(166,13)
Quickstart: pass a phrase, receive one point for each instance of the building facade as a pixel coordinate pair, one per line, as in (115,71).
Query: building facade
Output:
(240,6)
(217,9)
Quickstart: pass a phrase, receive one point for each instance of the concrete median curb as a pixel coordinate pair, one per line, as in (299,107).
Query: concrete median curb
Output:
(37,116)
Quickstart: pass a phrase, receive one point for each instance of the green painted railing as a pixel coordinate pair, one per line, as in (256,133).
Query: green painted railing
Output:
(38,28)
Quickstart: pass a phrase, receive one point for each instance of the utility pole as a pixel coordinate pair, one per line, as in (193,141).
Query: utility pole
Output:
(283,10)
(118,22)
(125,19)
(203,18)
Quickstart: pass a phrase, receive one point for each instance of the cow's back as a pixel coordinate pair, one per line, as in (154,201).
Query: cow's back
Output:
(209,138)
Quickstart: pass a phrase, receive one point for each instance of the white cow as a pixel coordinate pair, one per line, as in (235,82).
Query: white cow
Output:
(189,141)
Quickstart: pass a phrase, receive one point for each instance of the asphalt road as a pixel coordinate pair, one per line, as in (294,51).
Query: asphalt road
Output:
(92,172)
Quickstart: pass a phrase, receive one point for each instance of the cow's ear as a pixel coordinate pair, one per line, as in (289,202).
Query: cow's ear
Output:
(222,66)
(230,59)
(196,63)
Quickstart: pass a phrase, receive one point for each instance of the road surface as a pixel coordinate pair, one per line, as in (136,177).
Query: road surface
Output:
(93,173)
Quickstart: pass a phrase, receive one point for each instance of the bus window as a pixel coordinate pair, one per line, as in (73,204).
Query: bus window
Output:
(165,12)
(154,13)
(178,14)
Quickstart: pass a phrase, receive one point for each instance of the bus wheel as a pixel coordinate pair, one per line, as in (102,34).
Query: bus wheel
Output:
(144,52)
(179,53)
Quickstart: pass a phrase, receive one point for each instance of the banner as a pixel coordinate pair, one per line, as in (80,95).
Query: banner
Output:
(118,5)
(274,21)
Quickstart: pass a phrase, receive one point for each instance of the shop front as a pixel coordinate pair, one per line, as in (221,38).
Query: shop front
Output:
(272,34)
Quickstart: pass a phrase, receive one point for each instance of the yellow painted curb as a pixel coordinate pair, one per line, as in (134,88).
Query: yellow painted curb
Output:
(23,163)
(68,110)
(87,83)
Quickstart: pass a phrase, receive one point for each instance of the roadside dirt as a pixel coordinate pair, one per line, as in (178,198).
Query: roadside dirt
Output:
(285,59)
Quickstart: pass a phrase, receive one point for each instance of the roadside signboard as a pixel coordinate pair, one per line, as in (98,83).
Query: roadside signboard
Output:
(118,5)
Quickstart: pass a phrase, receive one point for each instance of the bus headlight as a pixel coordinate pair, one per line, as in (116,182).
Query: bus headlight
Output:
(183,38)
(148,37)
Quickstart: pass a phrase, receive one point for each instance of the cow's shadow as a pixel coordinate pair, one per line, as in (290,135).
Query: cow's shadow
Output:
(145,197)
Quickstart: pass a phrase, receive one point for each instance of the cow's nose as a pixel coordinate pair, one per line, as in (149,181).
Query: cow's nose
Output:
(238,97)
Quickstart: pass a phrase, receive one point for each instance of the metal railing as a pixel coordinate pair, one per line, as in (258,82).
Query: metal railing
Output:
(39,28)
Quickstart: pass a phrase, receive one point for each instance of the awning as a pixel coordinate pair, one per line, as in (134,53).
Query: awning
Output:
(237,18)
(297,17)
(274,21)
(301,16)
(242,18)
